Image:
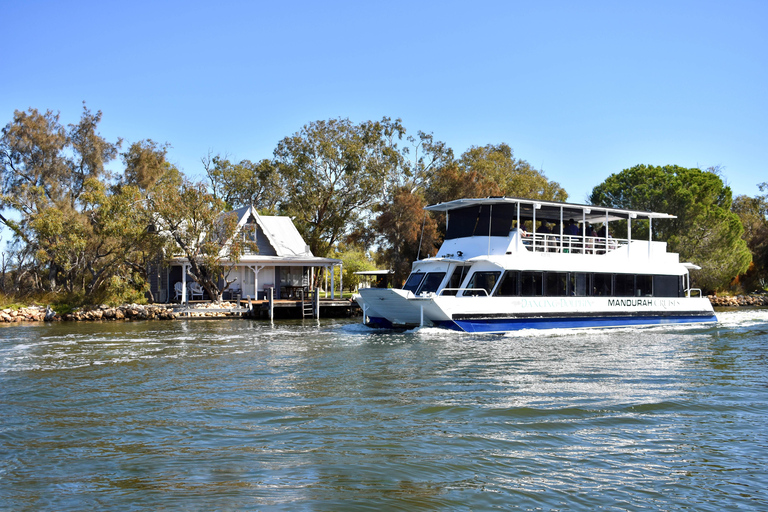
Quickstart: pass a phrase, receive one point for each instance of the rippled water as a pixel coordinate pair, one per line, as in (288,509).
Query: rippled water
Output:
(243,415)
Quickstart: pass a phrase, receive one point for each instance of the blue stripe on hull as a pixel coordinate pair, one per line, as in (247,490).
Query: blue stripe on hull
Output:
(516,324)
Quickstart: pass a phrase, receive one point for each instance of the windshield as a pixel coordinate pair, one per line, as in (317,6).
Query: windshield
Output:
(413,282)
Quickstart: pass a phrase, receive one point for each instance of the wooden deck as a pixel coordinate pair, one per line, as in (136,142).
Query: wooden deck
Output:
(281,308)
(284,308)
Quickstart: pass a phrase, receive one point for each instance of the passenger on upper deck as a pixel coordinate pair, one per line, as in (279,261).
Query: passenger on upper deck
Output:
(571,228)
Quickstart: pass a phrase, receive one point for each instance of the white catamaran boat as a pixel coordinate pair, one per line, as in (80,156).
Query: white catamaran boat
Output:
(492,276)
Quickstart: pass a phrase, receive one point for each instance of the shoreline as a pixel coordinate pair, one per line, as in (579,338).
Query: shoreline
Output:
(129,312)
(739,301)
(134,312)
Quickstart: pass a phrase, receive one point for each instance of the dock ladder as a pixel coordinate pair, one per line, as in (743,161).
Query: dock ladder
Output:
(308,304)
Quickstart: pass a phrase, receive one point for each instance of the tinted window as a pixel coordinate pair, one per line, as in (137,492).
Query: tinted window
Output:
(643,286)
(508,285)
(432,282)
(532,284)
(456,279)
(667,286)
(624,285)
(482,281)
(413,282)
(557,284)
(601,285)
(579,284)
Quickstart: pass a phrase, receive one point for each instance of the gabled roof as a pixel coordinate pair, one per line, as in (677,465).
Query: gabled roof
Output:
(285,239)
(283,236)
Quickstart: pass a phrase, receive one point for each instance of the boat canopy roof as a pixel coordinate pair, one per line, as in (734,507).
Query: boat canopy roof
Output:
(471,216)
(550,210)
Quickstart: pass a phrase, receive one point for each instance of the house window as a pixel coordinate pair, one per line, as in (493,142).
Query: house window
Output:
(250,236)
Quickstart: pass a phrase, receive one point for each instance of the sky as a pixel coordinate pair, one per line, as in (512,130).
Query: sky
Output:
(580,90)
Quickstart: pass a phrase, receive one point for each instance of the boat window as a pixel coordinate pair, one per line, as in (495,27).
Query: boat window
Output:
(508,285)
(643,286)
(456,279)
(431,282)
(624,285)
(601,285)
(532,284)
(579,283)
(474,220)
(667,286)
(413,282)
(557,284)
(481,281)
(461,222)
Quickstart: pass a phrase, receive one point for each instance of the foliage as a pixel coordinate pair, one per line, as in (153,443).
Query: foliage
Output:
(333,172)
(753,213)
(512,177)
(245,183)
(145,163)
(71,230)
(190,222)
(705,230)
(353,260)
(407,233)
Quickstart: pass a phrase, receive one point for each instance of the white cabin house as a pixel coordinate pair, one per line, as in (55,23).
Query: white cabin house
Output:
(283,263)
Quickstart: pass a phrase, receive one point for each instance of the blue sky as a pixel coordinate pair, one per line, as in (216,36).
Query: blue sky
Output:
(579,89)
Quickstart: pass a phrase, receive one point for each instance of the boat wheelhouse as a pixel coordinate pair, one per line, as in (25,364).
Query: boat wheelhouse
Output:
(492,274)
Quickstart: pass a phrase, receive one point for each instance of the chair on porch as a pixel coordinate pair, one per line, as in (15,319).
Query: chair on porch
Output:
(177,288)
(195,290)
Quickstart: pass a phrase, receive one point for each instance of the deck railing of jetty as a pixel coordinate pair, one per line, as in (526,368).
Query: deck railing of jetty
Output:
(572,244)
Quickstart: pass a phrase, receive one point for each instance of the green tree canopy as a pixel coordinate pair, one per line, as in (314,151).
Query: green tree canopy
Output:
(753,212)
(53,187)
(190,221)
(705,231)
(245,183)
(406,233)
(332,173)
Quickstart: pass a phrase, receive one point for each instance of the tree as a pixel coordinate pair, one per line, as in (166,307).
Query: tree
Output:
(191,221)
(705,230)
(245,183)
(406,232)
(46,171)
(145,163)
(491,170)
(353,260)
(333,172)
(753,212)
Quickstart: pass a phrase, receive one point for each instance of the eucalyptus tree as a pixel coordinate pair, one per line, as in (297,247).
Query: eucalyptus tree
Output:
(46,170)
(333,173)
(145,163)
(753,212)
(191,223)
(705,230)
(245,183)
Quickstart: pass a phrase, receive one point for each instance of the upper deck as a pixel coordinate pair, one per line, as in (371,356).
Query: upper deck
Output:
(513,225)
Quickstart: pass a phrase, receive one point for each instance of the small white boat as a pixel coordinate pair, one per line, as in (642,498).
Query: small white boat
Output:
(491,276)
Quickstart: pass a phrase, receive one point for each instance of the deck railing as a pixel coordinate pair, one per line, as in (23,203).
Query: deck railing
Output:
(572,244)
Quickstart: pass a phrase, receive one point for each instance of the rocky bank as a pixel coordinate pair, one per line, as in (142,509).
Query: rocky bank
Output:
(739,300)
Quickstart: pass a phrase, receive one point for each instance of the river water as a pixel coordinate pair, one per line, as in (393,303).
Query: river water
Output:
(332,416)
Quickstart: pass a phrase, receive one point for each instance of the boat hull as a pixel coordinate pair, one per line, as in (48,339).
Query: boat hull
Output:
(399,308)
(502,325)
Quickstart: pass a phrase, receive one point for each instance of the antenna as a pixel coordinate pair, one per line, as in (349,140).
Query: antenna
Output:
(421,238)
